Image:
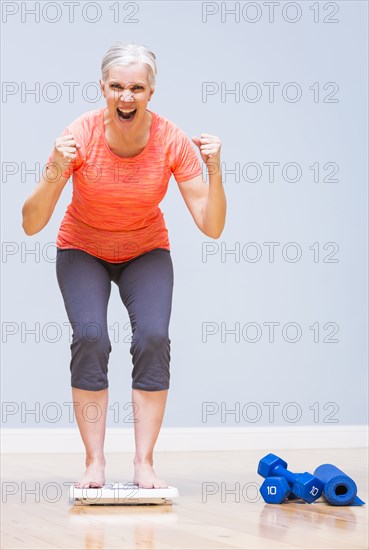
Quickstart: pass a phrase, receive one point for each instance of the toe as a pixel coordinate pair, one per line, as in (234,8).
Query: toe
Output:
(160,484)
(95,484)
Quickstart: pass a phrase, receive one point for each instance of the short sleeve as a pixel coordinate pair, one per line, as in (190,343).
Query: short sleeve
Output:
(185,163)
(77,130)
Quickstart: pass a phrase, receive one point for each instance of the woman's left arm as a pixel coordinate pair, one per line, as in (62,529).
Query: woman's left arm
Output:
(207,202)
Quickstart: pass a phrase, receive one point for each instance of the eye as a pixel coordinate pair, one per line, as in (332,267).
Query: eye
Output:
(134,87)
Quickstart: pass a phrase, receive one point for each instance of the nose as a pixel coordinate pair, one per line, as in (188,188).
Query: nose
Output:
(129,97)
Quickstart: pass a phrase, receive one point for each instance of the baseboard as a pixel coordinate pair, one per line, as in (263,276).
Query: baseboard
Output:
(191,439)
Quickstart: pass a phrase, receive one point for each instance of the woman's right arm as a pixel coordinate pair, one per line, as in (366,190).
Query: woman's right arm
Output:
(39,206)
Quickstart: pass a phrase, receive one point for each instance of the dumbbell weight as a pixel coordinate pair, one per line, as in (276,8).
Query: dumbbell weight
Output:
(292,495)
(275,490)
(304,486)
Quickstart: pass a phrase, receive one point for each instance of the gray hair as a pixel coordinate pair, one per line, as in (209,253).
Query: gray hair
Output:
(125,53)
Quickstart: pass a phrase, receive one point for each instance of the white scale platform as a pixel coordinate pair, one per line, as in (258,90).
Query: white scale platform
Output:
(121,493)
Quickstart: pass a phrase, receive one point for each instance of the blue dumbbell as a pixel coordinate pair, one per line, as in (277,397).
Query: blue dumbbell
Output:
(275,490)
(305,486)
(292,495)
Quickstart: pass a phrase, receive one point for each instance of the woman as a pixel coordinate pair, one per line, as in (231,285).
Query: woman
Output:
(122,157)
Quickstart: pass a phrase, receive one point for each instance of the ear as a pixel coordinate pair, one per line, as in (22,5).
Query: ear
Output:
(152,90)
(102,87)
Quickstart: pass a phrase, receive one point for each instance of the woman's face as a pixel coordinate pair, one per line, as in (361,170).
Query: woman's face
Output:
(127,89)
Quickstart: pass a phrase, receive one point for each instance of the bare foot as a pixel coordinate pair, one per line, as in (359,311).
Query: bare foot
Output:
(94,474)
(146,478)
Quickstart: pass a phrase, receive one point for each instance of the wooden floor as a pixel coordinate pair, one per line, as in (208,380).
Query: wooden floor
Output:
(37,513)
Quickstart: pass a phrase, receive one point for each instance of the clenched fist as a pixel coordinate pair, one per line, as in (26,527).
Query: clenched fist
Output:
(209,147)
(65,150)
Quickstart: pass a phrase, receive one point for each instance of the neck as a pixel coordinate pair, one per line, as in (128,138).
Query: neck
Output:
(129,135)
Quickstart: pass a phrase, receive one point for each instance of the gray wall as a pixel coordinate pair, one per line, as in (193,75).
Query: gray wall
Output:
(315,207)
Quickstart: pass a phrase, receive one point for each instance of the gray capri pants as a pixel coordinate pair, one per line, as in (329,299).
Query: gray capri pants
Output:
(146,286)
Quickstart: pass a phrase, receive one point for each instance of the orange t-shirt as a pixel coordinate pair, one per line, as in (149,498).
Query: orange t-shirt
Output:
(114,212)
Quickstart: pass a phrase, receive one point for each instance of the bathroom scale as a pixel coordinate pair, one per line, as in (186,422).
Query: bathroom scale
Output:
(121,493)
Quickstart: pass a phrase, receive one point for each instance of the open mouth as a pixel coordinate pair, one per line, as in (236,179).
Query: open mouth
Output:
(126,114)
